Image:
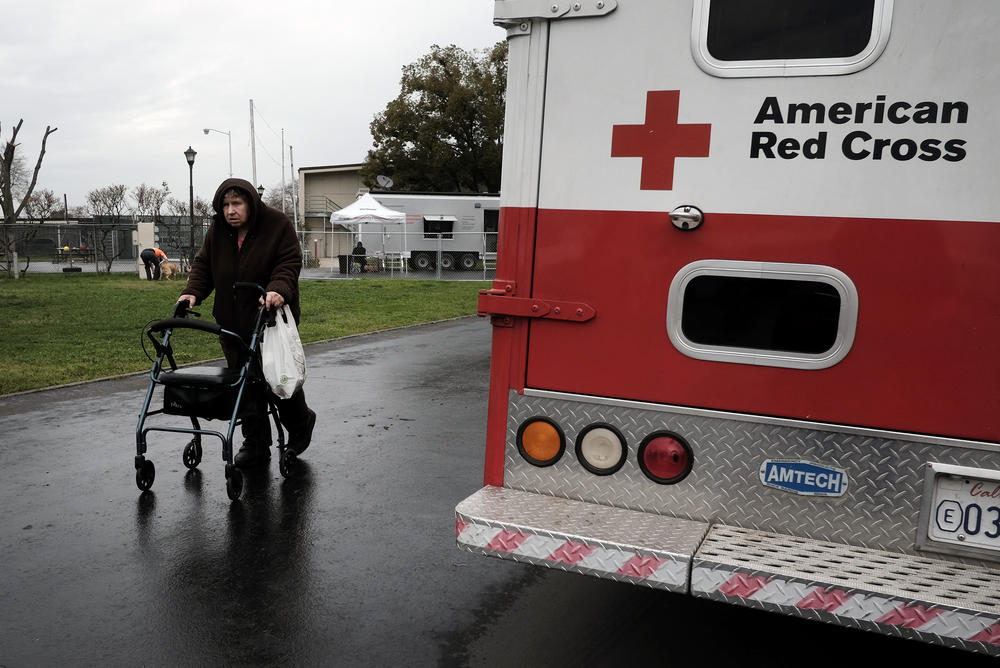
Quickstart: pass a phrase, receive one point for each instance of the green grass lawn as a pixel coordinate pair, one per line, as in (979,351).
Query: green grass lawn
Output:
(62,328)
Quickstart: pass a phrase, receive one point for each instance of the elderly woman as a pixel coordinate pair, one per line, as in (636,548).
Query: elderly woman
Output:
(249,241)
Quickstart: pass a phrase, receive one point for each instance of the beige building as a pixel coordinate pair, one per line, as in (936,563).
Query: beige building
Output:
(323,190)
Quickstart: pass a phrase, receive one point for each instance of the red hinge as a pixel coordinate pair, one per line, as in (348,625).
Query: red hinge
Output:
(502,306)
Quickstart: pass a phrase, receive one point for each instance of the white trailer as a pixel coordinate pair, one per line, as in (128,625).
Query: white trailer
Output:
(456,231)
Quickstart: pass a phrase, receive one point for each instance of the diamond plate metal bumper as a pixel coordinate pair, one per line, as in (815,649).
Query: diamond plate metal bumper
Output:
(886,470)
(848,559)
(935,601)
(624,545)
(894,594)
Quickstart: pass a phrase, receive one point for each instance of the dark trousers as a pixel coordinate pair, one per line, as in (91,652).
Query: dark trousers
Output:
(149,259)
(256,428)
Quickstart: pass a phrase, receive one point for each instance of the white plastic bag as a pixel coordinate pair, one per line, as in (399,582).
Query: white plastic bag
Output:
(282,357)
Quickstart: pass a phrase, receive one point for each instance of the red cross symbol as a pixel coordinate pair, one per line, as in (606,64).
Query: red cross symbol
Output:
(660,140)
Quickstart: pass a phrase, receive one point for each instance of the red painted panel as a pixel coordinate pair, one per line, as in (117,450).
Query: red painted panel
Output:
(508,357)
(926,355)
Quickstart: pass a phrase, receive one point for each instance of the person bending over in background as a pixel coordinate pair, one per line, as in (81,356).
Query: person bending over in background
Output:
(249,241)
(152,257)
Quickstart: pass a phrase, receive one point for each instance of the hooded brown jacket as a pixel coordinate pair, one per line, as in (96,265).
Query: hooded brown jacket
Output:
(270,256)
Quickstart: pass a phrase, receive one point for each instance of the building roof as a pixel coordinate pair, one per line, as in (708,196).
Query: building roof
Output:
(332,168)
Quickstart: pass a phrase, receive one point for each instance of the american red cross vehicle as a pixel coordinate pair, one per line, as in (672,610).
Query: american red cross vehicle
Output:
(747,307)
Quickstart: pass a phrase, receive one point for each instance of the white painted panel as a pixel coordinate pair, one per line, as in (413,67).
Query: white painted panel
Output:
(601,69)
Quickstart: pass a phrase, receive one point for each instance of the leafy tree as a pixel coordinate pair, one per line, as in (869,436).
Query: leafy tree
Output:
(16,187)
(444,131)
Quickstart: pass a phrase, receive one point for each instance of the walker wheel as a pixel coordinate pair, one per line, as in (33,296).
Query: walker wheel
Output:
(192,454)
(234,483)
(287,463)
(145,474)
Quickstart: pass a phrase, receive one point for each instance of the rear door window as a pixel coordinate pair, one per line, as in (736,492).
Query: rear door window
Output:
(735,38)
(768,314)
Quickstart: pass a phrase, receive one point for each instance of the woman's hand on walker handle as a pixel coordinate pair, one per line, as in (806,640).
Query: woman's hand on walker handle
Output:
(272,301)
(191,299)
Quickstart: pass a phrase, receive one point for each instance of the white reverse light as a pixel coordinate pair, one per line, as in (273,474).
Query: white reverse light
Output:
(601,449)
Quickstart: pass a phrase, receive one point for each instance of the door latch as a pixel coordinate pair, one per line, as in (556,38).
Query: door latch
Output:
(687,217)
(502,307)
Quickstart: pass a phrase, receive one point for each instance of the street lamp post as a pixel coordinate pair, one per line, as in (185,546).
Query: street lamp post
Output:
(230,136)
(260,190)
(189,154)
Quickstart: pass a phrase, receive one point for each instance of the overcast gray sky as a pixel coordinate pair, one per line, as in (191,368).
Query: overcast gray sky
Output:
(131,84)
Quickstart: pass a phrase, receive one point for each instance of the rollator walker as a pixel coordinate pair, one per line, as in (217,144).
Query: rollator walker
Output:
(208,392)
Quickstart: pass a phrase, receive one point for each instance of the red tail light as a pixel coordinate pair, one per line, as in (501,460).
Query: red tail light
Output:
(665,458)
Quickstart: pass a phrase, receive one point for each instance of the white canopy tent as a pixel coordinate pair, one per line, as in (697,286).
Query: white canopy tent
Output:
(366,209)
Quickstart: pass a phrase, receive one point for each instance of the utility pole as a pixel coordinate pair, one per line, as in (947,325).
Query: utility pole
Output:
(295,183)
(253,146)
(66,218)
(283,172)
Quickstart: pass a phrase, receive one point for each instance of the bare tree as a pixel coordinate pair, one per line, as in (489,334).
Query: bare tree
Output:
(282,198)
(42,204)
(173,228)
(9,190)
(149,200)
(178,233)
(38,208)
(202,209)
(108,206)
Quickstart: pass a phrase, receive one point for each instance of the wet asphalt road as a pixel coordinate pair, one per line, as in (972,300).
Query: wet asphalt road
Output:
(351,562)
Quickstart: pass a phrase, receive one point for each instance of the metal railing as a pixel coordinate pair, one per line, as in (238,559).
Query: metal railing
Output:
(314,204)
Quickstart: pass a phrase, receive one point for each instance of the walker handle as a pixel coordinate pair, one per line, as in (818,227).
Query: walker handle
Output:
(245,285)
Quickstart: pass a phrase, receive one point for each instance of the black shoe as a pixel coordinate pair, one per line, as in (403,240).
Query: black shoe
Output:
(299,442)
(251,455)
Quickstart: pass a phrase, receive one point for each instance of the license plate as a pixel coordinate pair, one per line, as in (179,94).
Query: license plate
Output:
(965,508)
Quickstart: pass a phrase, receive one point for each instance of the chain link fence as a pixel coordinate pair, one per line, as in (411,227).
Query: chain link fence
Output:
(93,244)
(111,246)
